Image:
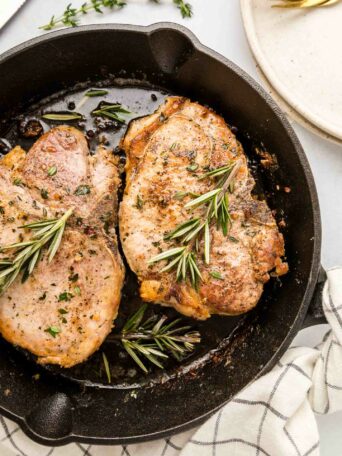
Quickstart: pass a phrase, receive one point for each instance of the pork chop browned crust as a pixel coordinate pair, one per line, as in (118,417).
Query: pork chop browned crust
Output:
(166,153)
(79,291)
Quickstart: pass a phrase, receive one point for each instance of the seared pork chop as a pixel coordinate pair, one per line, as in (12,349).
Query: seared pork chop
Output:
(167,152)
(64,310)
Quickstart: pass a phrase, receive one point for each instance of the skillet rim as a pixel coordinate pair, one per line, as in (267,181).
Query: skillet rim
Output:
(315,262)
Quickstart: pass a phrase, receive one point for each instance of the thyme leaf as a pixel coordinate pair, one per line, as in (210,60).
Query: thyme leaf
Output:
(53,331)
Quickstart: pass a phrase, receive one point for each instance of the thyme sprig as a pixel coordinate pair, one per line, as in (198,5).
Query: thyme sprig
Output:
(156,339)
(112,111)
(26,254)
(185,8)
(71,15)
(216,202)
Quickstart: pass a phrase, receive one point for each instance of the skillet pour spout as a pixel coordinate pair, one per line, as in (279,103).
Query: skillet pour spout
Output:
(55,408)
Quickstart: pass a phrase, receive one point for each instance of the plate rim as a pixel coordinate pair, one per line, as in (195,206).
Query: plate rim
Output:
(246,7)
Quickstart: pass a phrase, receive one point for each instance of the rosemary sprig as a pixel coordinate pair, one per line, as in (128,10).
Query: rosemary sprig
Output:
(71,16)
(155,339)
(26,254)
(112,111)
(216,202)
(185,262)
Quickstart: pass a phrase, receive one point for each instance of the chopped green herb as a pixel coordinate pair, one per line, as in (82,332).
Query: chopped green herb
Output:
(52,171)
(96,93)
(2,210)
(17,181)
(44,194)
(77,291)
(53,331)
(82,190)
(65,296)
(140,202)
(216,275)
(192,167)
(73,277)
(62,311)
(233,239)
(43,296)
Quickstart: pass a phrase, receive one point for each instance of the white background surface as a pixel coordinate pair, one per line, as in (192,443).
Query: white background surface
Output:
(217,23)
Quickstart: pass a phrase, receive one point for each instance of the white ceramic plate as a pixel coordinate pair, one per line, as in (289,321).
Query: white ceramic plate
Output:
(294,115)
(300,54)
(8,8)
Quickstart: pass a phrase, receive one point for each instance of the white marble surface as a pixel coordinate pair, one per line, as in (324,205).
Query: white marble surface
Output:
(217,23)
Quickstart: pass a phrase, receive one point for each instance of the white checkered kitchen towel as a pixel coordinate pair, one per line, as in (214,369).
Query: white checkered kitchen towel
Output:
(272,417)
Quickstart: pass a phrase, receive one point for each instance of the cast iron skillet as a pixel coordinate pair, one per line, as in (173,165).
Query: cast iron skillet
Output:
(56,409)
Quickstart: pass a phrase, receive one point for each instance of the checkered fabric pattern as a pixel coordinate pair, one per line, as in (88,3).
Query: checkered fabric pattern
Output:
(274,416)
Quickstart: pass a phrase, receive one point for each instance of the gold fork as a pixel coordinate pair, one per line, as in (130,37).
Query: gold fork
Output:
(304,3)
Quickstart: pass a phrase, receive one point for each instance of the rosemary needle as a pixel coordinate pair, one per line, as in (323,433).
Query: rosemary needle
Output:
(106,366)
(26,254)
(62,116)
(96,93)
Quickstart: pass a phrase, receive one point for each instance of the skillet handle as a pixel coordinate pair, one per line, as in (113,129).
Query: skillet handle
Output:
(315,314)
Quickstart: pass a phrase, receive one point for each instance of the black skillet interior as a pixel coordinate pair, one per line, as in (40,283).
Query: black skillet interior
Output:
(78,404)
